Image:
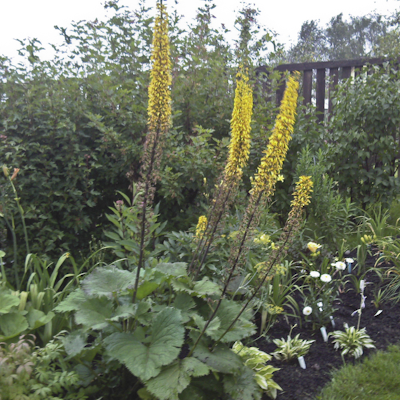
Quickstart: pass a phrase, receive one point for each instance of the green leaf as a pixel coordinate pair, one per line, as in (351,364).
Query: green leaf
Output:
(12,324)
(7,300)
(94,313)
(145,289)
(107,281)
(72,303)
(173,379)
(145,358)
(131,310)
(206,288)
(242,386)
(185,303)
(222,359)
(173,269)
(74,343)
(212,328)
(37,318)
(243,327)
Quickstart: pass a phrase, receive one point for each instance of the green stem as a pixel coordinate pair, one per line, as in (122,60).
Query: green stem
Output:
(229,277)
(277,257)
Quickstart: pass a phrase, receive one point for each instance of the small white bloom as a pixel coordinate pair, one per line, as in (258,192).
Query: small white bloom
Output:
(314,274)
(303,271)
(307,310)
(320,304)
(340,265)
(326,278)
(362,285)
(349,260)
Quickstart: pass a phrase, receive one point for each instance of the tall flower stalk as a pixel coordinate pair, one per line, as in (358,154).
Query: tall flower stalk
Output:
(159,121)
(239,151)
(301,198)
(263,186)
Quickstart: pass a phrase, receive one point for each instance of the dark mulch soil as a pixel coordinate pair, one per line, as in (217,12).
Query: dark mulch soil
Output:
(322,359)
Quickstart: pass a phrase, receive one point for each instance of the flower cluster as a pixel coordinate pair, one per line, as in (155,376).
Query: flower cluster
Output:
(275,154)
(239,147)
(201,226)
(159,108)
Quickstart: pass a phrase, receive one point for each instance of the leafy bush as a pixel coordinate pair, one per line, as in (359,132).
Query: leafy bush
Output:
(27,373)
(363,136)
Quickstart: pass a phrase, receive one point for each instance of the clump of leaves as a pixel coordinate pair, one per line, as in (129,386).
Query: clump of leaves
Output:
(291,348)
(352,341)
(27,373)
(256,360)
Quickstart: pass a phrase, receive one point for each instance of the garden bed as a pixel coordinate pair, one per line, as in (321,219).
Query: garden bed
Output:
(322,359)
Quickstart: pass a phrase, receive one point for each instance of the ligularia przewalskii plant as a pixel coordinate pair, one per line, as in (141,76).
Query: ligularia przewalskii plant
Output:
(169,326)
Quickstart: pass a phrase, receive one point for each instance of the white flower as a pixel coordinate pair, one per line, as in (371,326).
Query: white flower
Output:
(303,271)
(349,260)
(325,278)
(314,274)
(307,310)
(362,285)
(340,265)
(320,304)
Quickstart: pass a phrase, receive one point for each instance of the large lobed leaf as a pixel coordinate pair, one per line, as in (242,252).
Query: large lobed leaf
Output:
(174,378)
(107,281)
(144,357)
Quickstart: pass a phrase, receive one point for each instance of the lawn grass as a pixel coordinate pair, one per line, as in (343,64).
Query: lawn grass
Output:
(376,378)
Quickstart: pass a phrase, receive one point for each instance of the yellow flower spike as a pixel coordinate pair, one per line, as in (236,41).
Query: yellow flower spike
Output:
(201,226)
(302,193)
(271,164)
(239,147)
(159,107)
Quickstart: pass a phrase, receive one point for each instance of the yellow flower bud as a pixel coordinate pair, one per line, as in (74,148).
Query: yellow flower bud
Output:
(313,247)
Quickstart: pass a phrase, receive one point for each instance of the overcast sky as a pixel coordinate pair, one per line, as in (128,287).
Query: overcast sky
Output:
(36,18)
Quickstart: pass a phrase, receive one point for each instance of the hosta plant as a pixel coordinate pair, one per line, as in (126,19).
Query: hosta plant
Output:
(256,360)
(291,348)
(352,341)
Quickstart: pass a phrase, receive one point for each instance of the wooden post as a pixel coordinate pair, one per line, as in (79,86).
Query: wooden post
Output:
(281,90)
(346,72)
(307,86)
(320,94)
(334,79)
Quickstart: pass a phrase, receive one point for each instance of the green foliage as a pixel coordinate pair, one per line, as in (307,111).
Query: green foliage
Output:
(377,375)
(147,337)
(329,214)
(352,341)
(34,374)
(363,136)
(291,348)
(16,318)
(255,360)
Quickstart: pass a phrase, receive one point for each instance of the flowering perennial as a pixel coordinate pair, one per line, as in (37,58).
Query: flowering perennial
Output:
(201,226)
(159,108)
(239,148)
(275,154)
